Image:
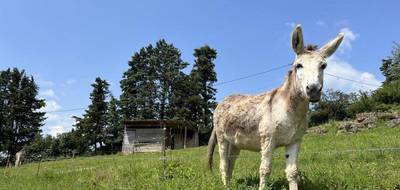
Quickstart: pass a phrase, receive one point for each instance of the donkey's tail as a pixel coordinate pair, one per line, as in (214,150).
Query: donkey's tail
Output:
(210,150)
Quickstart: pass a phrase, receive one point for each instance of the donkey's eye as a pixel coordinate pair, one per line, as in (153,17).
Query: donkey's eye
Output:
(323,66)
(299,66)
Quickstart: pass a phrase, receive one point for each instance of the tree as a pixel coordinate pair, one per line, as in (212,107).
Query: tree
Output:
(139,86)
(20,118)
(388,93)
(114,130)
(92,125)
(332,106)
(391,66)
(78,135)
(204,76)
(39,148)
(155,86)
(169,65)
(148,85)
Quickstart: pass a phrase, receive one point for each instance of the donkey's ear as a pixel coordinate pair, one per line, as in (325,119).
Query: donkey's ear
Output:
(330,48)
(297,40)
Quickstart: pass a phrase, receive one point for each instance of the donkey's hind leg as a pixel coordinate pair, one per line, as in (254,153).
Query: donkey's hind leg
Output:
(232,155)
(223,146)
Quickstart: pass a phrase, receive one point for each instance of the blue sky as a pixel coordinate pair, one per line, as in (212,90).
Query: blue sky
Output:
(66,44)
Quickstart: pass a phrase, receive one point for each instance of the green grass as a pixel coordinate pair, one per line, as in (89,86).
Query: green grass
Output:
(325,163)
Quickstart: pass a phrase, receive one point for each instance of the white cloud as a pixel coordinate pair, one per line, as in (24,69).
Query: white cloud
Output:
(56,122)
(48,93)
(290,24)
(45,83)
(320,23)
(56,130)
(51,106)
(349,37)
(343,69)
(71,81)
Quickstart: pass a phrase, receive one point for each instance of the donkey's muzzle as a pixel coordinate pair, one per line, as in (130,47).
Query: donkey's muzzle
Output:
(314,92)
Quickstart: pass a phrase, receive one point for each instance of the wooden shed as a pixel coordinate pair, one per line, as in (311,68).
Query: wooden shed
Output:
(154,135)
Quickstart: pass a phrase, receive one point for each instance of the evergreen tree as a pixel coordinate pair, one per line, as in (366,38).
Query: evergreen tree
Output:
(114,130)
(138,87)
(82,143)
(204,77)
(391,66)
(182,92)
(169,65)
(148,85)
(20,120)
(92,125)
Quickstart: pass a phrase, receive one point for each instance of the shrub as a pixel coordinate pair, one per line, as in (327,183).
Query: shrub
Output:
(332,106)
(362,103)
(389,93)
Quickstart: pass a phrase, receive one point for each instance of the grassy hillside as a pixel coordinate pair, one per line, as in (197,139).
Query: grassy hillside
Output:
(330,161)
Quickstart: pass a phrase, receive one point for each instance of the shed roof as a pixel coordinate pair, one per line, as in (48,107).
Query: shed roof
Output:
(158,123)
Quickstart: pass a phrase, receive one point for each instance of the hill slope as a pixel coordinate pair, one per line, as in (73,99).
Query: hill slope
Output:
(330,161)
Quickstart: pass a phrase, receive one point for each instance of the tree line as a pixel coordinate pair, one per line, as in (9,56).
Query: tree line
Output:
(154,86)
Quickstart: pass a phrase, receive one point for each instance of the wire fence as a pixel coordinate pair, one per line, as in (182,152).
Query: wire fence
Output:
(166,165)
(199,156)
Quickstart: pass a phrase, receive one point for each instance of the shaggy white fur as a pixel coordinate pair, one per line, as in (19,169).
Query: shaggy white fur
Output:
(269,120)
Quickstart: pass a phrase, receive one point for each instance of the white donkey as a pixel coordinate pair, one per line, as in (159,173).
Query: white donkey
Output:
(278,118)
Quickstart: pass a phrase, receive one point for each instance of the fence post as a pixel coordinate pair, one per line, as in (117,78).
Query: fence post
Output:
(163,147)
(38,168)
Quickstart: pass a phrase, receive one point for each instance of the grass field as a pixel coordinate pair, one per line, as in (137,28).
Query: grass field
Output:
(330,161)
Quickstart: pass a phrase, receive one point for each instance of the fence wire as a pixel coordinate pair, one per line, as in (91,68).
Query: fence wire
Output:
(137,158)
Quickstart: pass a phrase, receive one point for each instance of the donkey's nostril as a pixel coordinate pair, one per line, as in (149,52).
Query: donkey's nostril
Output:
(308,88)
(320,89)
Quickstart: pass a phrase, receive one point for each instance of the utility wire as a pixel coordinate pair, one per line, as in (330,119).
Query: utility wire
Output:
(252,75)
(351,80)
(66,110)
(246,77)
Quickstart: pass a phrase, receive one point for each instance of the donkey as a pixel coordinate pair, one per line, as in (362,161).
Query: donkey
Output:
(278,118)
(20,157)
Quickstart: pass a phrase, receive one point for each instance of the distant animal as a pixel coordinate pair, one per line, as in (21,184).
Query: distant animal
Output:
(277,118)
(20,157)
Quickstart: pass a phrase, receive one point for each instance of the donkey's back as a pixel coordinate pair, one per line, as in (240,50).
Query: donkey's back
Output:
(237,118)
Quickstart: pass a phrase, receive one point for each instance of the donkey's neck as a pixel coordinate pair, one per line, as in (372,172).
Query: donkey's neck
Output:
(295,100)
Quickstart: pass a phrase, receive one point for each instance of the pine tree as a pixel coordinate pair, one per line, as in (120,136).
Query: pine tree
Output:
(92,125)
(129,87)
(391,66)
(148,85)
(169,66)
(138,87)
(204,77)
(19,105)
(114,130)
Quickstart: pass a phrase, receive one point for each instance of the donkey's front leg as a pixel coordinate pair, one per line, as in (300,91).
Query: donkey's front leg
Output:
(292,152)
(267,149)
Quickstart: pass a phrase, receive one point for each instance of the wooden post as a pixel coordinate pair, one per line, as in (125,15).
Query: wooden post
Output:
(185,138)
(163,126)
(196,138)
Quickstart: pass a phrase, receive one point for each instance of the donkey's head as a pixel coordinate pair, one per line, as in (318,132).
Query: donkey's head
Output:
(309,65)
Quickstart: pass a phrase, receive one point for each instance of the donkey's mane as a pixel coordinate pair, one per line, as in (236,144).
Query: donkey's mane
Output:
(311,47)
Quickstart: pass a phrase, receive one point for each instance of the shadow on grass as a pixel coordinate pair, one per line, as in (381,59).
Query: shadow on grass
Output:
(282,183)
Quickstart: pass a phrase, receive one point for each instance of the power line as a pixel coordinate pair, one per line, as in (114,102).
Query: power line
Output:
(246,77)
(252,75)
(351,80)
(66,110)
